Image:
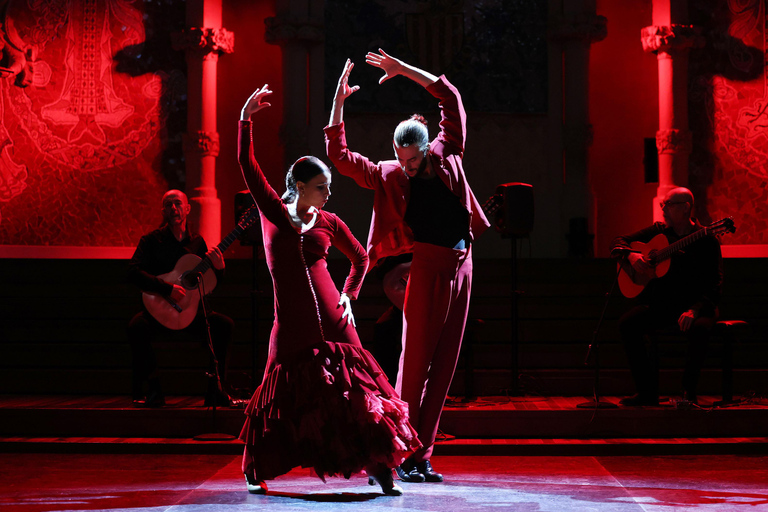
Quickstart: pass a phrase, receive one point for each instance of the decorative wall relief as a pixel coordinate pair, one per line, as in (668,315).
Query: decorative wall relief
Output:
(729,116)
(82,125)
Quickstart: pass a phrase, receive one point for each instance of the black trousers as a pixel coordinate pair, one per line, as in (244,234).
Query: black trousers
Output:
(643,320)
(143,330)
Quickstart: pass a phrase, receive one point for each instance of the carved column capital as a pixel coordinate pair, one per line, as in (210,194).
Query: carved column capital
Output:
(674,141)
(204,40)
(201,143)
(586,27)
(285,29)
(671,38)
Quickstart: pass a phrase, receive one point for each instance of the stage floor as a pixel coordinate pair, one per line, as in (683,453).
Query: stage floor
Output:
(211,483)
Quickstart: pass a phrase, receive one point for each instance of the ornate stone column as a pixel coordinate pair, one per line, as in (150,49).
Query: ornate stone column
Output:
(298,28)
(670,39)
(203,41)
(575,29)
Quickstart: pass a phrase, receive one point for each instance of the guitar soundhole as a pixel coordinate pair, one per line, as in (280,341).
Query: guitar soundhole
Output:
(189,281)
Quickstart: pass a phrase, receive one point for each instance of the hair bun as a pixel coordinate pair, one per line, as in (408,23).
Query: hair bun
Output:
(419,118)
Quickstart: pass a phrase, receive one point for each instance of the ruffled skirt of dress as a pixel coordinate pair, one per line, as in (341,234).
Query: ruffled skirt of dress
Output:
(333,410)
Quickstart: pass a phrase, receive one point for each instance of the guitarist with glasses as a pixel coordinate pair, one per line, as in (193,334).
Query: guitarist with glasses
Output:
(680,292)
(156,255)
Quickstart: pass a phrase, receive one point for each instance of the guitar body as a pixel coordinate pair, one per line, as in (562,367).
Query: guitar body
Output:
(178,315)
(632,284)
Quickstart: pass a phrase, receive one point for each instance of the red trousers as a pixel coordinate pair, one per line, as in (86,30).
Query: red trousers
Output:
(435,313)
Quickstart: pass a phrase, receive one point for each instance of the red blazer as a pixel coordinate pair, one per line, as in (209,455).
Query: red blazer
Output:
(389,235)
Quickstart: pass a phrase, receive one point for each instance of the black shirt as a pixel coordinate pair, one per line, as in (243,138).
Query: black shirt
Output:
(435,214)
(157,253)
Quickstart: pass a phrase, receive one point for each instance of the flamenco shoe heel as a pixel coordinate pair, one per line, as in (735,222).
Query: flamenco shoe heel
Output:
(387,483)
(255,487)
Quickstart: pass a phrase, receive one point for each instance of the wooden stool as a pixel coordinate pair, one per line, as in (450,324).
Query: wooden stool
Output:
(729,332)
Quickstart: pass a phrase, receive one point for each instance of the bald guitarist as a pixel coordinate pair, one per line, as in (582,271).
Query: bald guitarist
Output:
(156,256)
(684,298)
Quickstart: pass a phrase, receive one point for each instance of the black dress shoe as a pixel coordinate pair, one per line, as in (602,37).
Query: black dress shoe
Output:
(153,399)
(639,400)
(219,399)
(430,475)
(255,487)
(407,472)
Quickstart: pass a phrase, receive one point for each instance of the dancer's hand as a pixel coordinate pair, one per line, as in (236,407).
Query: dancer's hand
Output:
(388,64)
(393,67)
(254,103)
(343,89)
(346,304)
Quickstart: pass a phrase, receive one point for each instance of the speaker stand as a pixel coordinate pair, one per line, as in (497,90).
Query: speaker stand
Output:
(514,387)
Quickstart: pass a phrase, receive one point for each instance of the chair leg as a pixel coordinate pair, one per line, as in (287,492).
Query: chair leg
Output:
(727,362)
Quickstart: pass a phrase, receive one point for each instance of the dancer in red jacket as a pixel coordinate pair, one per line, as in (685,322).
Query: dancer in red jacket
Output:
(422,204)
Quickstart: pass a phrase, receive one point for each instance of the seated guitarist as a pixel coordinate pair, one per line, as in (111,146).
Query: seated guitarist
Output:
(157,254)
(684,298)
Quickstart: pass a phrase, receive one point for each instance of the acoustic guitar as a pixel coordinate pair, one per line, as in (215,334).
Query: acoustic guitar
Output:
(187,272)
(658,251)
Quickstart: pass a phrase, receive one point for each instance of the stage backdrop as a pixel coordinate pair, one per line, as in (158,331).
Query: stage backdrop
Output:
(728,96)
(91,91)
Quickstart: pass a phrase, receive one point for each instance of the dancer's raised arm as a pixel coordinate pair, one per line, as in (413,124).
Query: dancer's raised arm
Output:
(393,67)
(263,194)
(254,103)
(343,91)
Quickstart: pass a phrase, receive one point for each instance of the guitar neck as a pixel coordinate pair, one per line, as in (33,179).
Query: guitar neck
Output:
(205,263)
(671,249)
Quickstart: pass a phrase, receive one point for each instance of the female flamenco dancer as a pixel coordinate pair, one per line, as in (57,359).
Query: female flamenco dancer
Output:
(323,402)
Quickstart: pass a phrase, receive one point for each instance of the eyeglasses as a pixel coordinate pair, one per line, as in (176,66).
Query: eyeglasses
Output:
(664,204)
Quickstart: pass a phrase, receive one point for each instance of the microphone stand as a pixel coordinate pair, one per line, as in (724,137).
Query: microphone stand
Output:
(214,436)
(596,403)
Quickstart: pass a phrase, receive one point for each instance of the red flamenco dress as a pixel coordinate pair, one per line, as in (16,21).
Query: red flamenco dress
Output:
(324,401)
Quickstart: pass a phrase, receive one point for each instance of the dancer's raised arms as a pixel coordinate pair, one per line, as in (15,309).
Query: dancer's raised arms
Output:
(392,66)
(343,91)
(254,103)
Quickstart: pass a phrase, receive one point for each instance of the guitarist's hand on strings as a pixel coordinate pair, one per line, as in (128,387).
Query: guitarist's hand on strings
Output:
(640,265)
(178,293)
(217,259)
(686,319)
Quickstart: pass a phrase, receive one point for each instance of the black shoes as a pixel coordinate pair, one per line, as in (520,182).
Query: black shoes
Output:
(407,472)
(639,400)
(219,399)
(430,475)
(255,487)
(418,472)
(153,399)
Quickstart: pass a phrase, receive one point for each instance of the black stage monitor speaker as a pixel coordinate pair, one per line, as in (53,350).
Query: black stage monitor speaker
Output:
(252,234)
(515,217)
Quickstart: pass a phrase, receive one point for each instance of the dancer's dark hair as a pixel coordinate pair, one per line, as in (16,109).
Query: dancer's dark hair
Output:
(412,131)
(303,169)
